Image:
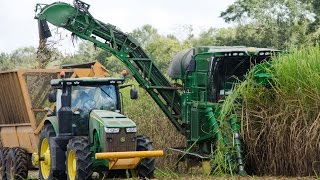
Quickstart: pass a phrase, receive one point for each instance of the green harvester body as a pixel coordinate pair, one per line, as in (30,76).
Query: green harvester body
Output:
(193,108)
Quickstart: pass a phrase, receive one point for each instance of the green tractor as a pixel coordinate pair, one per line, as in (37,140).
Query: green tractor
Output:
(87,133)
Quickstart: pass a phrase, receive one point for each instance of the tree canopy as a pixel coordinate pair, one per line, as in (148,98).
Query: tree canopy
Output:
(276,23)
(279,24)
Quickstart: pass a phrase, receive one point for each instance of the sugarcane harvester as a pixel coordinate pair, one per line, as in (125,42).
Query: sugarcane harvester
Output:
(206,75)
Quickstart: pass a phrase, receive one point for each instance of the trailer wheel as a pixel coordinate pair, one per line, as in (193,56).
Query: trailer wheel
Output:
(79,159)
(3,161)
(146,167)
(17,164)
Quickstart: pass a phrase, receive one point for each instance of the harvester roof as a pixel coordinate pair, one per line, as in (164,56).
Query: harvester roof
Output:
(181,61)
(248,51)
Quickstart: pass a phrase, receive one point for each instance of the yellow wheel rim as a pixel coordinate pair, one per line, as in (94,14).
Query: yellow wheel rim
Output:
(72,165)
(46,163)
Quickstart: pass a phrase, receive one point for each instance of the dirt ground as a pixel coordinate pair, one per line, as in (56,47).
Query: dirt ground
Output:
(33,175)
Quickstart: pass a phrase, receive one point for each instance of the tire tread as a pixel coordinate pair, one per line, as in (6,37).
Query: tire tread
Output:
(19,160)
(81,147)
(147,166)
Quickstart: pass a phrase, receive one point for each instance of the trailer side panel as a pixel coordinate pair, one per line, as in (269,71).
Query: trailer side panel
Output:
(12,105)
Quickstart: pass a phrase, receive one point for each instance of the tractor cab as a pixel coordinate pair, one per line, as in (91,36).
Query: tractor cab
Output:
(76,98)
(93,93)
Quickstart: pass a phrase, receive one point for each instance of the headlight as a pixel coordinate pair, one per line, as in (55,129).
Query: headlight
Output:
(112,130)
(131,130)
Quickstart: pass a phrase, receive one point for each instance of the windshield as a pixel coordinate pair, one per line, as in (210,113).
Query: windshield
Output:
(226,72)
(86,98)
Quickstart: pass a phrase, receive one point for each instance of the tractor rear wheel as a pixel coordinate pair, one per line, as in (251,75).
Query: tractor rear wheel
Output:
(146,167)
(3,162)
(79,159)
(17,164)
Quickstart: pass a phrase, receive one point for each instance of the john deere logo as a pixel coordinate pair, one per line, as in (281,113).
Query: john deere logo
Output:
(122,139)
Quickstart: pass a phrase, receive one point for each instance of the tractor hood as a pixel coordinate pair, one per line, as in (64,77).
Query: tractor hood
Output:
(111,119)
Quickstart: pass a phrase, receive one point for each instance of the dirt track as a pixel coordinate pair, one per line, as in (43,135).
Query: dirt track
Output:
(34,175)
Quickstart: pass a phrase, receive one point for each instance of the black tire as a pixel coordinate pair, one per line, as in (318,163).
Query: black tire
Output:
(80,146)
(48,132)
(146,167)
(3,161)
(17,164)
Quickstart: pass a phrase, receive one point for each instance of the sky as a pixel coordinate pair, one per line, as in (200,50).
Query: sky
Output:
(18,28)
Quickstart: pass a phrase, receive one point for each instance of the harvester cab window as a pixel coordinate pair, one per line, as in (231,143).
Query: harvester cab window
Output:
(86,98)
(232,71)
(228,71)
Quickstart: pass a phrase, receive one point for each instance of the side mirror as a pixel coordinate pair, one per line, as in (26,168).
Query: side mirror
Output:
(133,93)
(52,96)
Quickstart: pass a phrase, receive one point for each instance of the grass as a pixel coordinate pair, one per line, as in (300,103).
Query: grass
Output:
(33,175)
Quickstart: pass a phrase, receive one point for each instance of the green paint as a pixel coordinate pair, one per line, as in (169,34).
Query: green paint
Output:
(54,121)
(111,119)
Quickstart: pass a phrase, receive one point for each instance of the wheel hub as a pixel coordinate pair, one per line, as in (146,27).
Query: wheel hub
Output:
(47,158)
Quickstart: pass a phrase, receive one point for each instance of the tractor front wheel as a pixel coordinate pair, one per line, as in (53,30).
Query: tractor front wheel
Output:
(79,159)
(146,167)
(17,164)
(44,150)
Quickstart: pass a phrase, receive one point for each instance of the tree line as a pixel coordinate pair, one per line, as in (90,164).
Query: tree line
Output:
(280,24)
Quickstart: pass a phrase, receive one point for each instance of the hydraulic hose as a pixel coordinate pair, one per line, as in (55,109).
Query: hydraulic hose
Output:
(214,124)
(237,143)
